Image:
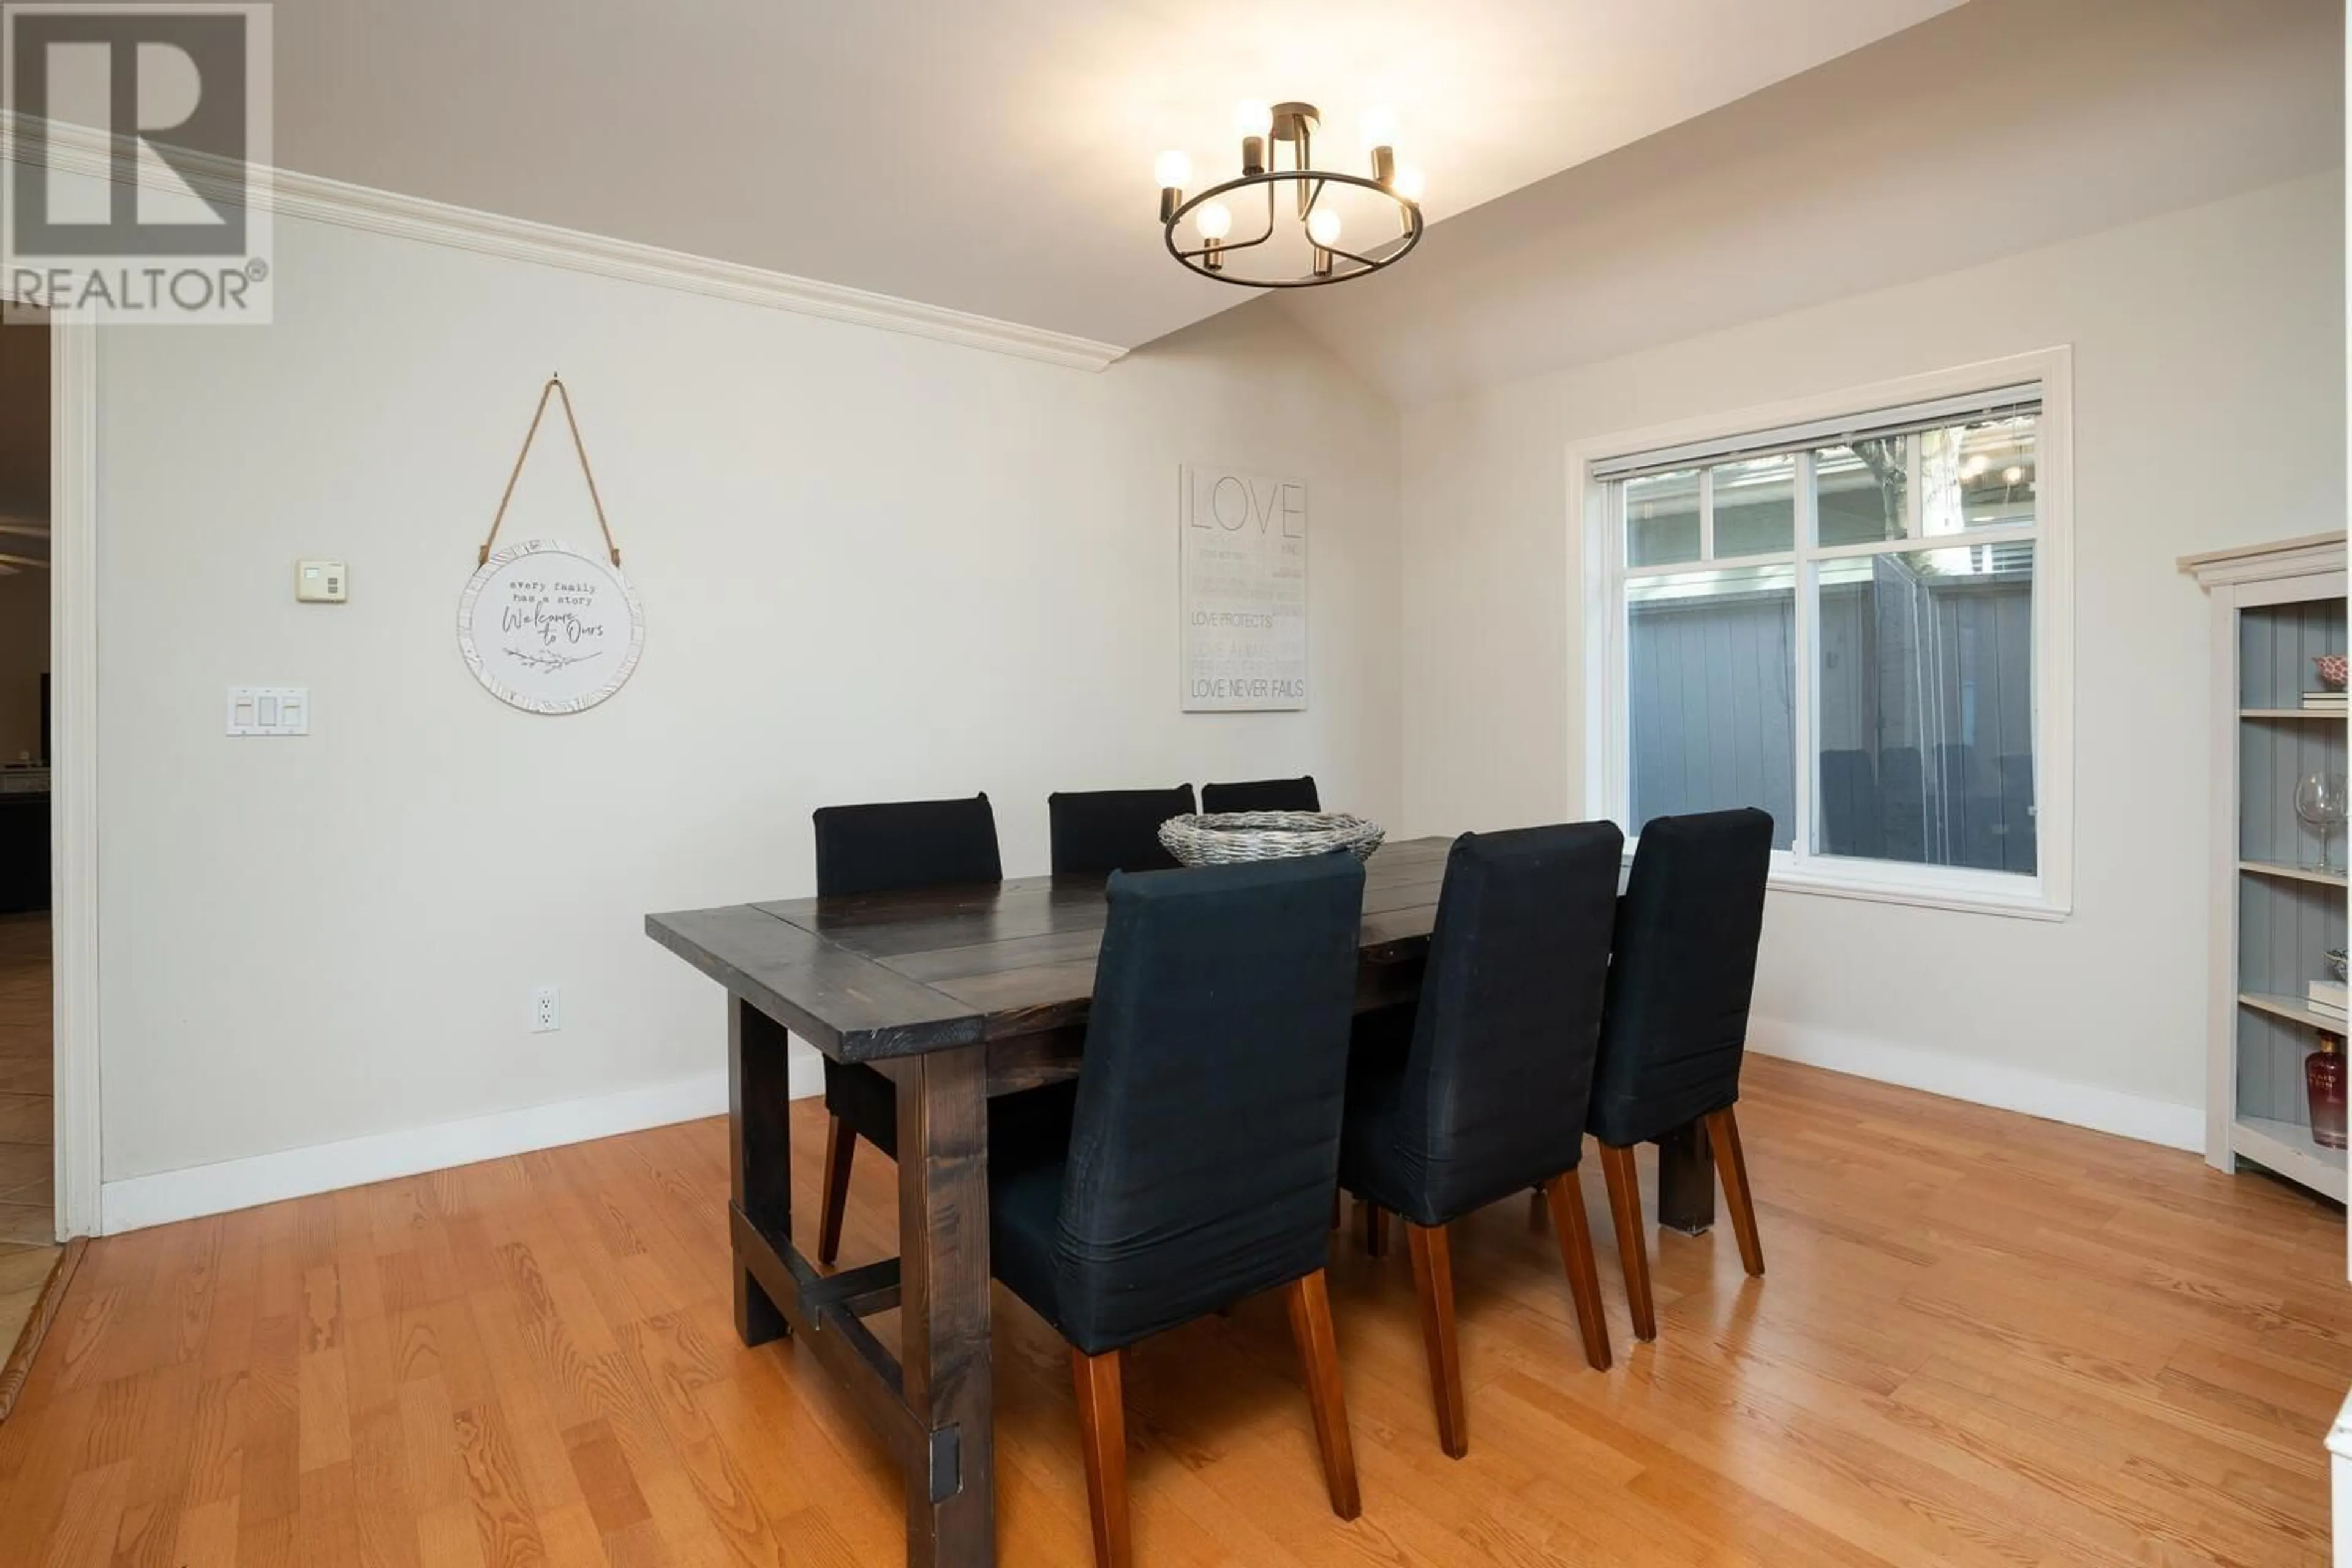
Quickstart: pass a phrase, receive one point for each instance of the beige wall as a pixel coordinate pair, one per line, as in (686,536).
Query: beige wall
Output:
(2209,411)
(873,566)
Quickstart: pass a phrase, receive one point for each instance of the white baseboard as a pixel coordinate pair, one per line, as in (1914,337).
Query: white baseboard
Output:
(1984,1083)
(140,1201)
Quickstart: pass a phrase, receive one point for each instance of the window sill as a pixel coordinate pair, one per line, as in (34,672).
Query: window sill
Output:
(2028,903)
(1984,894)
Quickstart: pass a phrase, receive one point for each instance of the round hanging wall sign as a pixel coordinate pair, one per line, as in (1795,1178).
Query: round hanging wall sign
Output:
(549,629)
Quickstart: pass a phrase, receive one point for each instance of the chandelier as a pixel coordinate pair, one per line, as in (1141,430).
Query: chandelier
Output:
(1317,233)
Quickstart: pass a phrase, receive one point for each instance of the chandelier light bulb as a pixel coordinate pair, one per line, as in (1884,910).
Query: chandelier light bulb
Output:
(1252,118)
(1323,227)
(1214,220)
(1174,169)
(2012,475)
(1410,182)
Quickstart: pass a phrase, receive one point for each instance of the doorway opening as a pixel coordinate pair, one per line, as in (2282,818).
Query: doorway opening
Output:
(29,1200)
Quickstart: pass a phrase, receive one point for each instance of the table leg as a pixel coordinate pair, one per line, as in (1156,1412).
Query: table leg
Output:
(760,1142)
(1686,1181)
(943,1315)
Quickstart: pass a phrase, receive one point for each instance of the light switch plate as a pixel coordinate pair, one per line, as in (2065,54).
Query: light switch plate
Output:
(321,582)
(269,709)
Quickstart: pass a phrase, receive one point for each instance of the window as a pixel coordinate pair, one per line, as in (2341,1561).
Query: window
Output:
(1851,617)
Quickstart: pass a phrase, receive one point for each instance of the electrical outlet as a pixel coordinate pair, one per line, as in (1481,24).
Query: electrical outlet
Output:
(544,1018)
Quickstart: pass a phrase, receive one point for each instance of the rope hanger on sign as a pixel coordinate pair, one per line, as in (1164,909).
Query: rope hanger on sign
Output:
(554,388)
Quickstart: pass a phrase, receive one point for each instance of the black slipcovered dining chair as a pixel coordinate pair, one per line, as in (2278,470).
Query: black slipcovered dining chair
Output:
(1263,794)
(881,848)
(1675,1024)
(1486,1095)
(1203,1144)
(1103,830)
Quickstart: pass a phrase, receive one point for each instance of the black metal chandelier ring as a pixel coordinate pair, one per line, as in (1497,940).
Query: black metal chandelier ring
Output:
(1380,256)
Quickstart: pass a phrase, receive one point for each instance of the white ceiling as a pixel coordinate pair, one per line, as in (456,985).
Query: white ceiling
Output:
(991,158)
(2003,126)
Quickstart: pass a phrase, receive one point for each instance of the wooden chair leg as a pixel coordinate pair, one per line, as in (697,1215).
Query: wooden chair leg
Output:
(1731,1165)
(1565,1193)
(1632,1246)
(1433,1282)
(1102,1433)
(1319,1353)
(1376,1230)
(840,1148)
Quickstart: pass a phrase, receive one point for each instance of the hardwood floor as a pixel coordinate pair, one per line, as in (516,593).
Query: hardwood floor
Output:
(1984,1341)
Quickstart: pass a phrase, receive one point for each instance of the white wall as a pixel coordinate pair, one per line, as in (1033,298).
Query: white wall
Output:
(2209,411)
(872,565)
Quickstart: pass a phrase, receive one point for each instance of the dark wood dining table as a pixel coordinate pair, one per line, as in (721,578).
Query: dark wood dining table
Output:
(957,994)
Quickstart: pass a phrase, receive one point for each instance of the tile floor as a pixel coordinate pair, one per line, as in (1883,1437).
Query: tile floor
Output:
(27,1205)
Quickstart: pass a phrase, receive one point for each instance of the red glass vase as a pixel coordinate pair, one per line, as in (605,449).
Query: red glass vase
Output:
(2324,1073)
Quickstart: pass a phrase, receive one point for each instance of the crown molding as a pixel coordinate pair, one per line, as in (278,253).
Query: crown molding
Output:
(318,199)
(2260,562)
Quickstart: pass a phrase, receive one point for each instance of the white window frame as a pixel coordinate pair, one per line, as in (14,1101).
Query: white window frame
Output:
(1597,553)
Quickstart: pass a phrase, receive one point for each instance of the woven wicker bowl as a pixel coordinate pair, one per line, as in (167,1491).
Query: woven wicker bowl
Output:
(1231,837)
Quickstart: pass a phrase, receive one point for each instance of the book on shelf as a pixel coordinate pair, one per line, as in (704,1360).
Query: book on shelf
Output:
(2328,996)
(2325,701)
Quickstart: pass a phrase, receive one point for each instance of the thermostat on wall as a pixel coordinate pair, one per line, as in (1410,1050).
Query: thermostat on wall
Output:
(320,581)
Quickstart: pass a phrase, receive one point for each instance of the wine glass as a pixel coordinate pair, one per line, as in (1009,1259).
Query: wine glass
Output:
(2319,801)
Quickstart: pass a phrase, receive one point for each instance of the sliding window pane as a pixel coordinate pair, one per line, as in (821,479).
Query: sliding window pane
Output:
(1925,708)
(1860,491)
(1756,507)
(1711,721)
(1978,475)
(1662,519)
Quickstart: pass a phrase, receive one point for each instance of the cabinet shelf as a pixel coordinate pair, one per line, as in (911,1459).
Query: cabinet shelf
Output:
(2286,1147)
(2294,873)
(2339,715)
(2293,1010)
